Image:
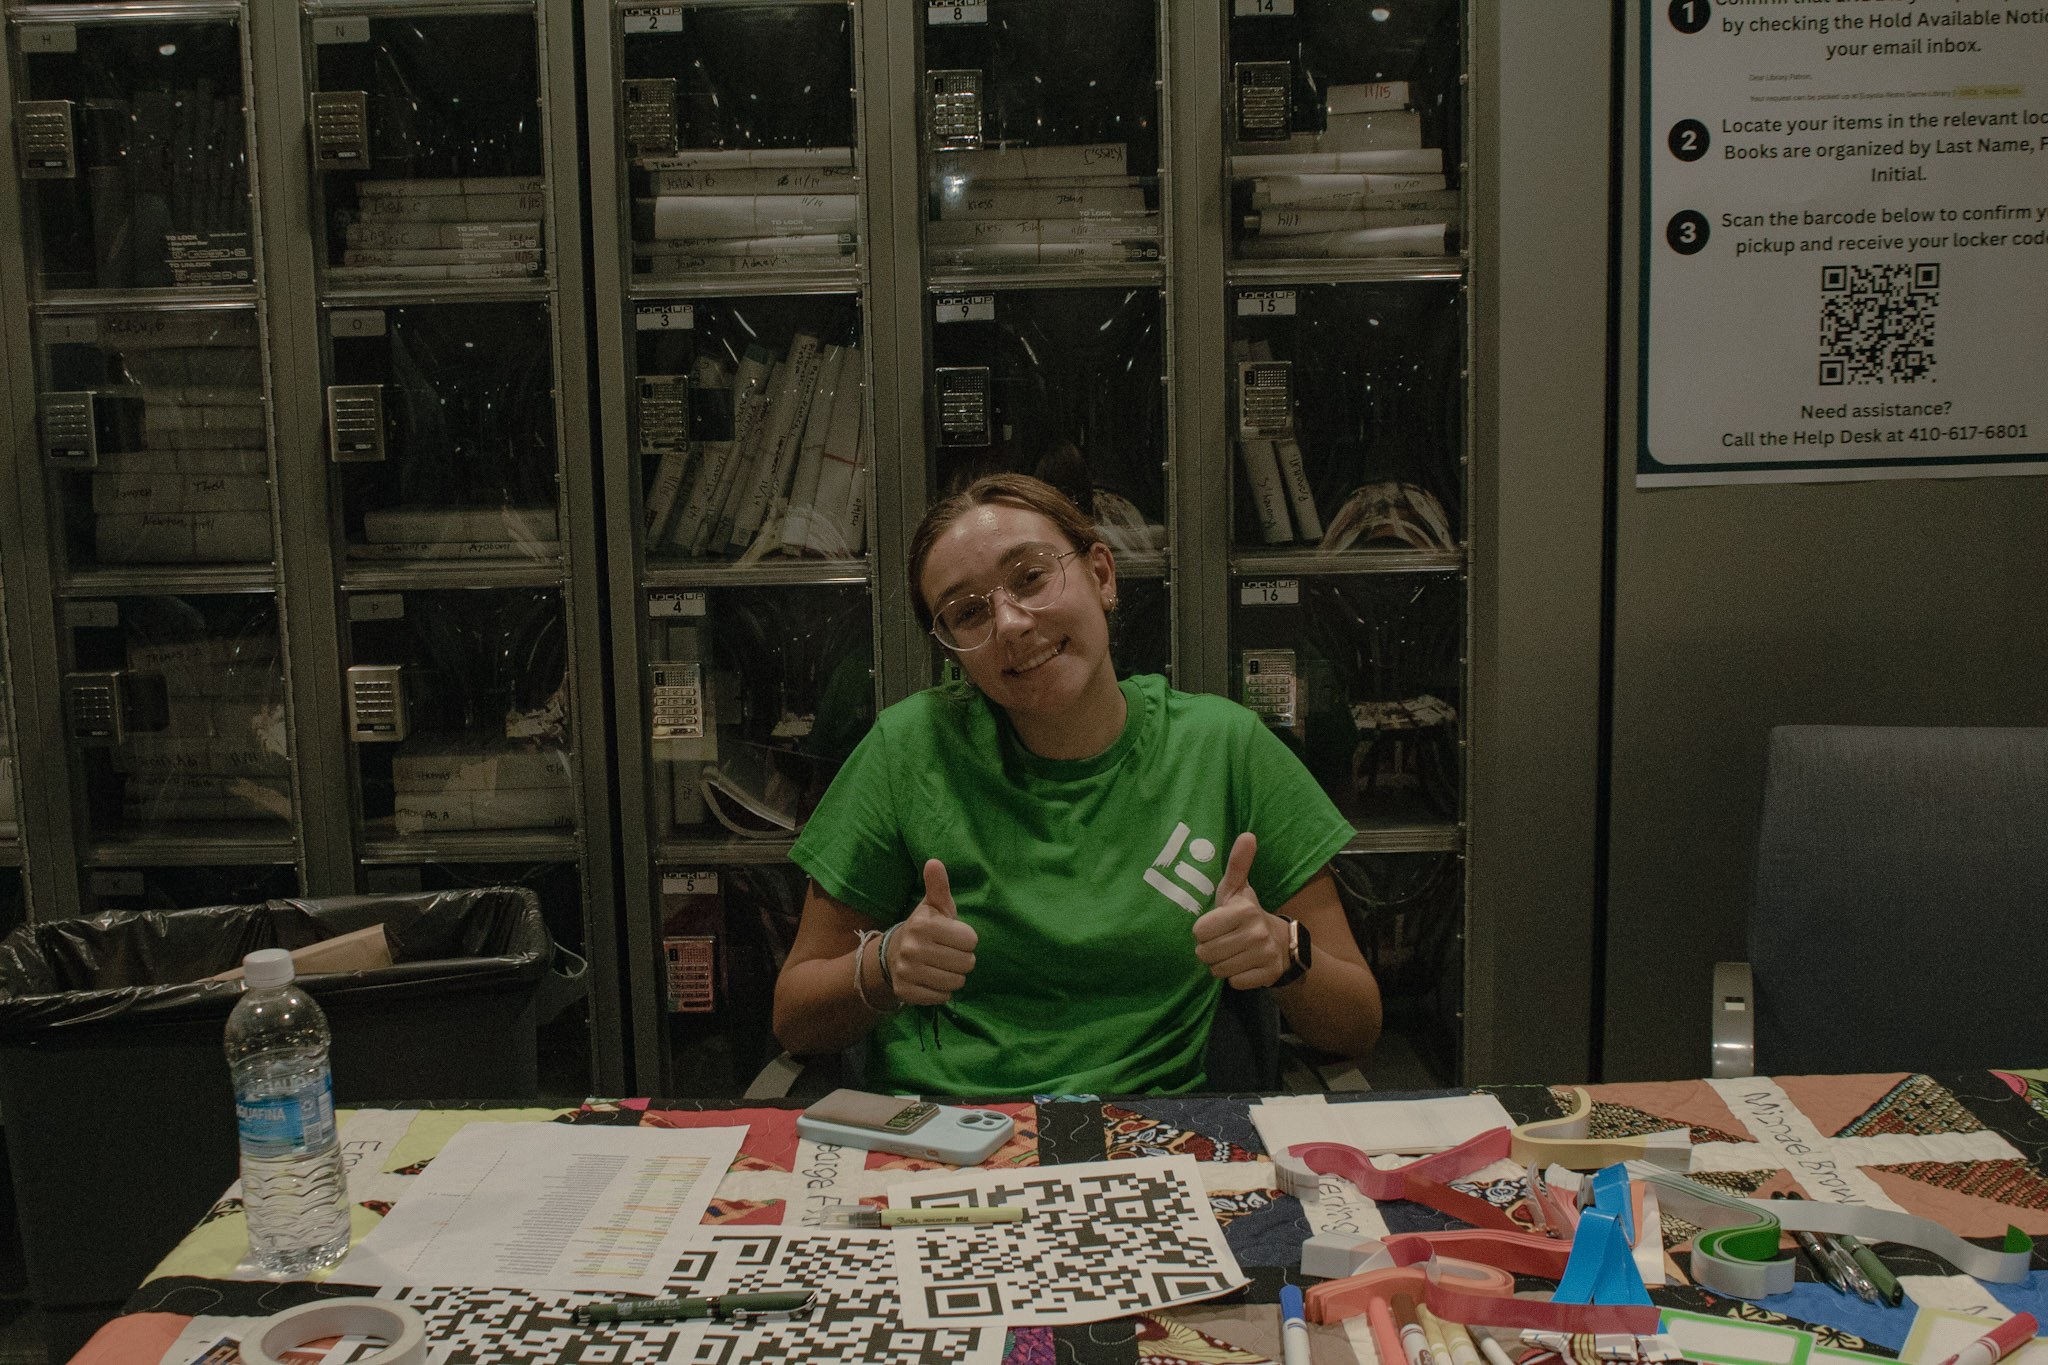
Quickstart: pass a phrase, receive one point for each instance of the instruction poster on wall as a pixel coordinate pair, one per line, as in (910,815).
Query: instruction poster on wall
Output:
(1844,240)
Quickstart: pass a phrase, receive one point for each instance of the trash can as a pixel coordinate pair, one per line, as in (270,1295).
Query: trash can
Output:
(114,1092)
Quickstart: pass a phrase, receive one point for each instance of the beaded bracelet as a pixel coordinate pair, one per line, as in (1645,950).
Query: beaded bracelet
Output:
(859,986)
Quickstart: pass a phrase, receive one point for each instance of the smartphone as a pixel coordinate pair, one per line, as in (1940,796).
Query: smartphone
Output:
(892,1123)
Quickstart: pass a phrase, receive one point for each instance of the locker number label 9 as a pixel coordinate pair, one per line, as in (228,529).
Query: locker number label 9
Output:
(956,14)
(665,19)
(1269,592)
(1265,303)
(967,308)
(665,317)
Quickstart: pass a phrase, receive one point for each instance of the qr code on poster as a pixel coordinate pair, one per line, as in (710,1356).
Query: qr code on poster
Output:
(1093,1247)
(1877,322)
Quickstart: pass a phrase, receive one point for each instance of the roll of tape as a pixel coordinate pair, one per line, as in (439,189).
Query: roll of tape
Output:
(403,1331)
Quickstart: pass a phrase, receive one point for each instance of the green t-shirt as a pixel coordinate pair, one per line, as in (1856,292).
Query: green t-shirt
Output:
(1082,878)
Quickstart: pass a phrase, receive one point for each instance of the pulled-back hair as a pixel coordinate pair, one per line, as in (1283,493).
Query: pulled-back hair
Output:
(1010,490)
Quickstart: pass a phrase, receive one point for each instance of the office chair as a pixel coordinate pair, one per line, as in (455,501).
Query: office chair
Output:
(1901,904)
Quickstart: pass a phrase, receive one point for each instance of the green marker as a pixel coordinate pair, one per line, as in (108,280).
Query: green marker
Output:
(1887,1284)
(718,1308)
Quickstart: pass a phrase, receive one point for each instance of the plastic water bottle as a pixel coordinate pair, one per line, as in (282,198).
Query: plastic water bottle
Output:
(293,1187)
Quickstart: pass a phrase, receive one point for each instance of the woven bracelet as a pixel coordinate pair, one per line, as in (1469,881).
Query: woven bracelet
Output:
(859,986)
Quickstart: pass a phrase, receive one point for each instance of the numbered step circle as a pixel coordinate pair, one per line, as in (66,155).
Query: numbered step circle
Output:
(1686,232)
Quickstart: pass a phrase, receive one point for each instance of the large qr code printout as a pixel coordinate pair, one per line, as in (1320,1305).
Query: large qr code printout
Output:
(857,1320)
(1102,1240)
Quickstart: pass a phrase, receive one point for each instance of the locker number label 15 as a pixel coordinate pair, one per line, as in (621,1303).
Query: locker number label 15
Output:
(1265,303)
(1269,592)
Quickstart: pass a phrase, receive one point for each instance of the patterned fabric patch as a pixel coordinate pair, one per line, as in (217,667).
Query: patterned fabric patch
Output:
(1609,1120)
(1833,1337)
(1503,1193)
(1029,1346)
(1917,1105)
(1231,1206)
(2031,1086)
(1127,1133)
(1164,1341)
(2003,1182)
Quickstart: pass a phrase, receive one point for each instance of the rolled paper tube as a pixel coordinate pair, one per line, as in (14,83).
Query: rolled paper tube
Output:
(1564,1142)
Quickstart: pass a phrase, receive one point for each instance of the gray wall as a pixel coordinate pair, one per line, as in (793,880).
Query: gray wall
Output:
(1894,602)
(1539,186)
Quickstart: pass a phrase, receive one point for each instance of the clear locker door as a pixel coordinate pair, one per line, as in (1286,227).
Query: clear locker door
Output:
(175,717)
(737,122)
(427,141)
(458,705)
(132,137)
(155,439)
(442,432)
(1042,131)
(10,800)
(183,888)
(1347,130)
(750,419)
(1407,911)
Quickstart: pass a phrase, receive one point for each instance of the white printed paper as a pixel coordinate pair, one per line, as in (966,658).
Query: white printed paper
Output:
(1381,1127)
(549,1206)
(1102,1240)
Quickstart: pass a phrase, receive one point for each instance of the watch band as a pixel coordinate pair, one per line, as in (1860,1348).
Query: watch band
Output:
(1300,952)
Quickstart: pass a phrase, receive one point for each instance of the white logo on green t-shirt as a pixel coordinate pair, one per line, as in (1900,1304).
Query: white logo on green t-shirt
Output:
(1199,851)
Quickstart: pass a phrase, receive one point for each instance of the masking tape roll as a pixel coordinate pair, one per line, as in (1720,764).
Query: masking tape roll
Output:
(402,1330)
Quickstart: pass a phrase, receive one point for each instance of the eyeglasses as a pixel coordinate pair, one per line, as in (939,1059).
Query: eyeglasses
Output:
(1034,581)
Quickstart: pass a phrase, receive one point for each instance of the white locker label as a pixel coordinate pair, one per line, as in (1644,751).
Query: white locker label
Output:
(351,28)
(956,14)
(966,308)
(94,615)
(666,19)
(376,606)
(1269,592)
(665,317)
(1262,9)
(71,331)
(1265,303)
(670,603)
(49,38)
(356,322)
(689,883)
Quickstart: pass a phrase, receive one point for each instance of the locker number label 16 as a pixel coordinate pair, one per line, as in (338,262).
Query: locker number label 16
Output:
(1269,592)
(966,308)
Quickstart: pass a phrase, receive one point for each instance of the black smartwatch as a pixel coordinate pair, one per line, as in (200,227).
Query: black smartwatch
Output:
(1299,950)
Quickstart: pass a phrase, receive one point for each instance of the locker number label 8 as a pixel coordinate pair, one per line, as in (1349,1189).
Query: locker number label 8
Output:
(956,14)
(967,308)
(664,19)
(1265,303)
(1269,592)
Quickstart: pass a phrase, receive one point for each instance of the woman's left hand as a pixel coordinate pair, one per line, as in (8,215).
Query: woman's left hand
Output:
(1237,938)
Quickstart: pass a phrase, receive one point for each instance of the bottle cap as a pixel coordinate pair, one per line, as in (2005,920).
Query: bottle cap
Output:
(268,967)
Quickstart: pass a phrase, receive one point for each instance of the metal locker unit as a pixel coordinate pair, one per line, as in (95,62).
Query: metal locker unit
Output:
(1338,383)
(747,406)
(439,502)
(146,578)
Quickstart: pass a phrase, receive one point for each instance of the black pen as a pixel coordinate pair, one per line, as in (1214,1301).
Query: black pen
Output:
(1831,1261)
(717,1308)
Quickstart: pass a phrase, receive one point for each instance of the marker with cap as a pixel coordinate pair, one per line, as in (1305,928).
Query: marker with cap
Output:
(1997,1343)
(717,1308)
(861,1216)
(1293,1327)
(1413,1340)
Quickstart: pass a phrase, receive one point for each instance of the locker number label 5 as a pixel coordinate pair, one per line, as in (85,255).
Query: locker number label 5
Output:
(1269,592)
(967,308)
(1265,303)
(956,14)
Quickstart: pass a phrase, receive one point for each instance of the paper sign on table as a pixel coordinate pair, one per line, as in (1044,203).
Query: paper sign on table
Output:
(1381,1127)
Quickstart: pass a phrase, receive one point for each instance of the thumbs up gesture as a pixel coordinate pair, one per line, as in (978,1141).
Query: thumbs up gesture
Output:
(932,952)
(1237,938)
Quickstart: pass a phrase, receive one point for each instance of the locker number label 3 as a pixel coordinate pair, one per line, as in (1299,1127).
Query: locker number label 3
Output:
(664,19)
(1269,592)
(666,317)
(956,14)
(1265,303)
(967,308)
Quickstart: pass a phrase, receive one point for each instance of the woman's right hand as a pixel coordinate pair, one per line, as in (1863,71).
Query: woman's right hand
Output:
(931,953)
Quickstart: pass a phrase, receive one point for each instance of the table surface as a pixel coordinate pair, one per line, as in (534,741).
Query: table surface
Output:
(1967,1150)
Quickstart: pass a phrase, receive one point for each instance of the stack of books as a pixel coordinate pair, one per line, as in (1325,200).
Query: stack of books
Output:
(222,755)
(473,227)
(453,783)
(199,491)
(1365,186)
(1278,473)
(790,480)
(762,209)
(1010,206)
(454,532)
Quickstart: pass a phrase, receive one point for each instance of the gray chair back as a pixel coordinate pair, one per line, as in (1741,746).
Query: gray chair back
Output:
(1901,903)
